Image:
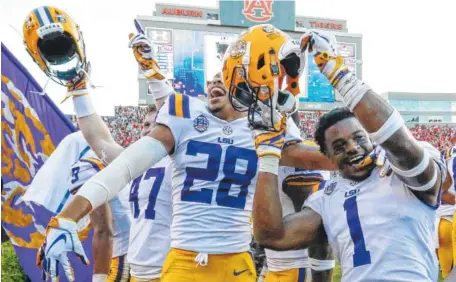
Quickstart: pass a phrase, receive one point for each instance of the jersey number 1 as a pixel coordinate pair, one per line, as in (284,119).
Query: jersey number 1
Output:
(361,256)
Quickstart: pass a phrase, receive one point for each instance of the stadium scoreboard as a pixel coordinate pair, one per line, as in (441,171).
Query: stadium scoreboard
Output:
(190,42)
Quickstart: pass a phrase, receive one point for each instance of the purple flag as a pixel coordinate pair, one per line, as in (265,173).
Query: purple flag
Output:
(32,127)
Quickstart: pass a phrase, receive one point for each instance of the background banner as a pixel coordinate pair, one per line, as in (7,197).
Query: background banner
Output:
(32,127)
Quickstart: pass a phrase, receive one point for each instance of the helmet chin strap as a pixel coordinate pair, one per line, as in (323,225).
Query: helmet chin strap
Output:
(276,117)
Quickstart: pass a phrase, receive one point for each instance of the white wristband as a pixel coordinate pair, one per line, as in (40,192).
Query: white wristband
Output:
(83,106)
(99,277)
(321,265)
(352,90)
(269,164)
(428,185)
(159,88)
(391,126)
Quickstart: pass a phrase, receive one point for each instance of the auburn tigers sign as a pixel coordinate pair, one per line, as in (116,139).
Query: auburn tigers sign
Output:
(259,11)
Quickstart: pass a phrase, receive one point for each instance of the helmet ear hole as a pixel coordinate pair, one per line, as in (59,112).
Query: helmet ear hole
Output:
(260,63)
(291,64)
(57,47)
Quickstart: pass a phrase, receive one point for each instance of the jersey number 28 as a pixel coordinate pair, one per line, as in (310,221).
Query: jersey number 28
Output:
(211,171)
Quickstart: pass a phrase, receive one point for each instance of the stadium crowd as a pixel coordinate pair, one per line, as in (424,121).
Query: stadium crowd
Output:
(126,127)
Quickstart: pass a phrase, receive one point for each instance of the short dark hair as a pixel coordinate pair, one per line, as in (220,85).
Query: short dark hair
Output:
(326,121)
(151,109)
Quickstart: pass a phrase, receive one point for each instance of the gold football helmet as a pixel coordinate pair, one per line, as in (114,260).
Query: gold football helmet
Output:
(256,66)
(55,43)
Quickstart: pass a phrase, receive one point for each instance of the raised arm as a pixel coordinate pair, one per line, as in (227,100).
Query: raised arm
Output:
(295,231)
(413,163)
(94,129)
(306,157)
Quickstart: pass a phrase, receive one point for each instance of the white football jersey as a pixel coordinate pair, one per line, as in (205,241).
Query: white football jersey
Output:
(83,170)
(446,211)
(214,177)
(285,260)
(150,236)
(378,229)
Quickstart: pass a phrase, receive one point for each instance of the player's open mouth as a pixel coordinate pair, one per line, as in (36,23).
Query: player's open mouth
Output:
(355,160)
(217,92)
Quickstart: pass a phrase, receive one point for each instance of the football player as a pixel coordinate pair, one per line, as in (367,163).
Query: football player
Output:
(450,184)
(150,193)
(110,222)
(379,228)
(119,270)
(214,176)
(444,223)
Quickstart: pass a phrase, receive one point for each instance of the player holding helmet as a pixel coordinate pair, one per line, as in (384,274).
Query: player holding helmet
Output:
(214,175)
(363,216)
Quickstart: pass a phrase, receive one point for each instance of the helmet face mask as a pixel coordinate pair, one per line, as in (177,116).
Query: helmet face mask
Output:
(55,43)
(255,67)
(257,101)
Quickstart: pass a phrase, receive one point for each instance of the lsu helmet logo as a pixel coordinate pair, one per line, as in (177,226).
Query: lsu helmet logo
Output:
(259,11)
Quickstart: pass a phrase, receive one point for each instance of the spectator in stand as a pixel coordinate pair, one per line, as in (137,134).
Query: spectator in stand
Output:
(126,125)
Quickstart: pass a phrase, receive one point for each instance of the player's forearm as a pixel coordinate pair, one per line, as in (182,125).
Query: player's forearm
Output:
(402,149)
(386,127)
(99,138)
(95,130)
(306,157)
(102,239)
(267,210)
(76,209)
(321,258)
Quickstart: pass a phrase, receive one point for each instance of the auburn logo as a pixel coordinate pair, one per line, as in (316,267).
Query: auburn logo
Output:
(259,11)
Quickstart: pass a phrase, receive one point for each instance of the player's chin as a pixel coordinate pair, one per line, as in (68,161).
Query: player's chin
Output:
(357,174)
(215,106)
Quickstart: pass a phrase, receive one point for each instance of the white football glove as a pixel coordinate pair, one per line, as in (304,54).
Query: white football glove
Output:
(270,143)
(144,54)
(61,238)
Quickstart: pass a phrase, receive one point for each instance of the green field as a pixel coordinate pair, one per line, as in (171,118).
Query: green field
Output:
(11,270)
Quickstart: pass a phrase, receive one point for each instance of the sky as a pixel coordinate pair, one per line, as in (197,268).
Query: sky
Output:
(408,45)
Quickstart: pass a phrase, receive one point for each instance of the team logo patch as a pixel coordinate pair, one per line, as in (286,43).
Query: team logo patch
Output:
(330,188)
(201,123)
(238,49)
(227,130)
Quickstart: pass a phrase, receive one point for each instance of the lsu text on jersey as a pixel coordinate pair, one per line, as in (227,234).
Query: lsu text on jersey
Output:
(378,228)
